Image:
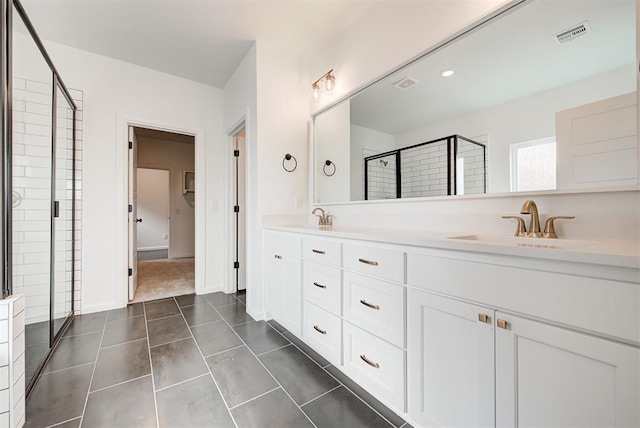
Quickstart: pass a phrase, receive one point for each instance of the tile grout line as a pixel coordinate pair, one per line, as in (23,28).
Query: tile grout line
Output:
(63,422)
(173,341)
(93,372)
(273,350)
(118,384)
(153,380)
(226,350)
(322,395)
(271,374)
(123,343)
(207,365)
(67,368)
(182,381)
(254,398)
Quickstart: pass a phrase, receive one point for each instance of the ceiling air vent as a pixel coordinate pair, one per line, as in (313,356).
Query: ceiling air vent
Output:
(573,33)
(405,83)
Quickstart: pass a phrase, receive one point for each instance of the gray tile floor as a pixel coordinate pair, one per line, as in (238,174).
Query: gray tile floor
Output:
(194,361)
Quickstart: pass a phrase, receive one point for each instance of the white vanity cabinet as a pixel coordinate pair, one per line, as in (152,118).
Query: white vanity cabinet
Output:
(549,371)
(283,279)
(550,376)
(450,337)
(451,361)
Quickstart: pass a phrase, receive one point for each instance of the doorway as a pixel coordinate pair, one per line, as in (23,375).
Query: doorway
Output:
(161,214)
(238,190)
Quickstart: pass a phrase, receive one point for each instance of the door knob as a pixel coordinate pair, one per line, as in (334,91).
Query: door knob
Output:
(138,220)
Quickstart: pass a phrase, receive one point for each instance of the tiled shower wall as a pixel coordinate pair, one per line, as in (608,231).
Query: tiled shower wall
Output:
(32,193)
(424,170)
(381,177)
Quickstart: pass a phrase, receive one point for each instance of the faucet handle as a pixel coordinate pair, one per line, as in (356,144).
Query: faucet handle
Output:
(329,220)
(522,229)
(549,226)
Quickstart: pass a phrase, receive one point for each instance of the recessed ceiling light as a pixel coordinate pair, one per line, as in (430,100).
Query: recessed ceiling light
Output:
(447,73)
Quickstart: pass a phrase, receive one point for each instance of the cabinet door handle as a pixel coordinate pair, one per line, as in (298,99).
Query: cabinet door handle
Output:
(483,318)
(316,328)
(368,361)
(318,251)
(277,257)
(368,262)
(319,285)
(502,324)
(370,305)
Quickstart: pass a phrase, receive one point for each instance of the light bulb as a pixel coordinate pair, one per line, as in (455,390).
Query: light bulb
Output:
(316,91)
(330,83)
(447,73)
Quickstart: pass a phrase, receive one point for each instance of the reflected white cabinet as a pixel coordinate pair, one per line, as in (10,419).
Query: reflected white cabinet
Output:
(450,363)
(283,280)
(549,376)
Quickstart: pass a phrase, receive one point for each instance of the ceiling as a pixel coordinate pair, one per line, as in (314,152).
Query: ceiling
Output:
(200,40)
(511,58)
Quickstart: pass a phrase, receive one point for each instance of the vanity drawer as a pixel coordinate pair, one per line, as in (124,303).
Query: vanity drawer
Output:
(375,365)
(321,250)
(323,332)
(380,262)
(376,306)
(323,286)
(282,243)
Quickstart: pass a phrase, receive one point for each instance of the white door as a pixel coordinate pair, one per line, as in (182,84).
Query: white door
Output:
(133,215)
(548,376)
(450,362)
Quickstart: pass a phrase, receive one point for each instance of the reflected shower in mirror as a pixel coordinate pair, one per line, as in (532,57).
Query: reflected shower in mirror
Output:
(549,87)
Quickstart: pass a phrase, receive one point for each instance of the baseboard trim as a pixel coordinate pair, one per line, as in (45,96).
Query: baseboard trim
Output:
(89,309)
(152,248)
(182,256)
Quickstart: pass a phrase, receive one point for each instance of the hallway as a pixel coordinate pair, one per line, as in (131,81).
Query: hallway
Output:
(197,361)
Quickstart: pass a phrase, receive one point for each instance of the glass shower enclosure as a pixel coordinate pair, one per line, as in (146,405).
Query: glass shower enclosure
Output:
(39,186)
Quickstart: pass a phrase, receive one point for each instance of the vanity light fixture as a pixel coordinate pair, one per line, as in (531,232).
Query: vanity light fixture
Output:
(447,73)
(329,84)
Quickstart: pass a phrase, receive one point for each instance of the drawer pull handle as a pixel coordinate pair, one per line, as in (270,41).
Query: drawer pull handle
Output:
(278,257)
(318,251)
(370,305)
(319,285)
(502,324)
(368,262)
(483,318)
(368,361)
(316,328)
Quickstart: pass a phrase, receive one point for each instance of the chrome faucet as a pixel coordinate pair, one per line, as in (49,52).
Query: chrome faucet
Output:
(530,207)
(324,219)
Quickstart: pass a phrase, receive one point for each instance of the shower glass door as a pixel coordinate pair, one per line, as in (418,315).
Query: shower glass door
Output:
(42,174)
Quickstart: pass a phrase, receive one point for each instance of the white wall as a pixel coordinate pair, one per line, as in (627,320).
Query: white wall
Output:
(365,139)
(177,157)
(241,105)
(114,92)
(332,133)
(154,204)
(526,119)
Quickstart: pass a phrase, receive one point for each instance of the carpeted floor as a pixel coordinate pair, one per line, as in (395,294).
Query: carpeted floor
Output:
(164,278)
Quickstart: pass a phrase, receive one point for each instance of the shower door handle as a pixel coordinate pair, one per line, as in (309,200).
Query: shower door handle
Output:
(56,209)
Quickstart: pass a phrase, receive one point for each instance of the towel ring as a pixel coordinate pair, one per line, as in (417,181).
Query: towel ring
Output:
(288,157)
(326,164)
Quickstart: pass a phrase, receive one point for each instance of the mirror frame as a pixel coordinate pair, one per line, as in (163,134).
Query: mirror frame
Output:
(483,21)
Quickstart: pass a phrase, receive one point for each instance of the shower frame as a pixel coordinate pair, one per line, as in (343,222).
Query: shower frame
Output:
(7,8)
(452,168)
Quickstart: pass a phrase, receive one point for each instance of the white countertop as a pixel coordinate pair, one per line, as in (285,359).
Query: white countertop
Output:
(602,252)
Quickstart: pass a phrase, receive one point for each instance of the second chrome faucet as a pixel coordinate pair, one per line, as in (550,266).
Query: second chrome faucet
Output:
(324,219)
(530,207)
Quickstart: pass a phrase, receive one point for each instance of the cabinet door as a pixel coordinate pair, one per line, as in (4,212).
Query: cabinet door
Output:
(273,282)
(450,362)
(548,376)
(291,294)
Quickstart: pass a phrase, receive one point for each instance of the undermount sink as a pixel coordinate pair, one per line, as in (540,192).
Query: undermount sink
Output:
(496,239)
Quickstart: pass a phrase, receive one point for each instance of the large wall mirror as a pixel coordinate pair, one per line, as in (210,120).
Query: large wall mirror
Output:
(542,97)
